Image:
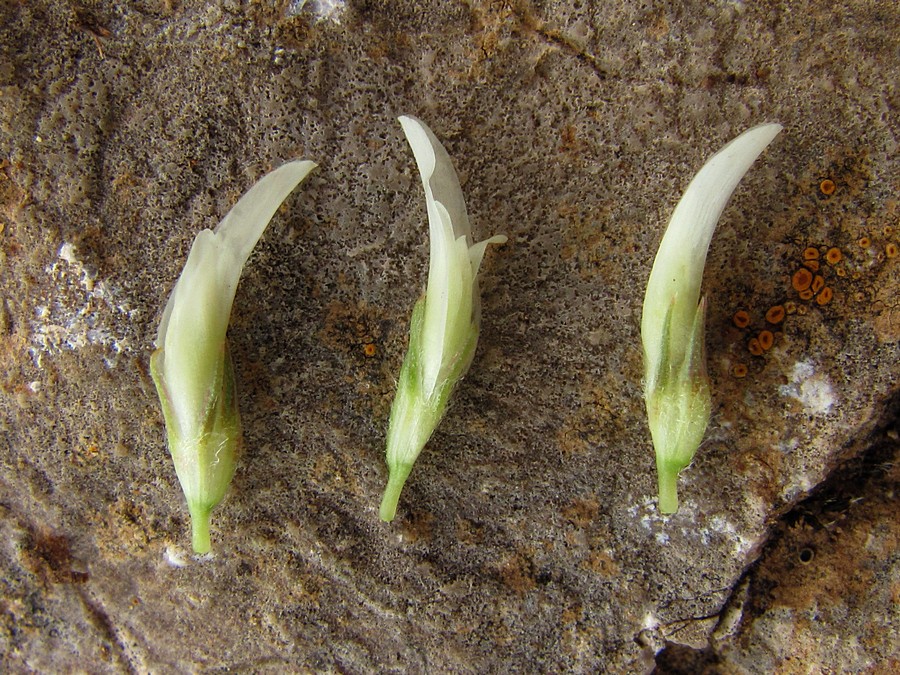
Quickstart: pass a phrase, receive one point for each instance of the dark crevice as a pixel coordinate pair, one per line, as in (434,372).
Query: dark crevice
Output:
(678,659)
(554,37)
(827,507)
(104,623)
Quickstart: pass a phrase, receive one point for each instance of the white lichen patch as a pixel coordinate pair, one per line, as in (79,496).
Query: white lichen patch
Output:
(799,484)
(76,311)
(812,389)
(650,621)
(720,528)
(67,253)
(651,520)
(321,10)
(173,557)
(790,445)
(717,531)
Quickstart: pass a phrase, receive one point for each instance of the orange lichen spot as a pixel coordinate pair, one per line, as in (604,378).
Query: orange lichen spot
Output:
(766,339)
(891,250)
(806,294)
(827,187)
(817,284)
(834,256)
(754,347)
(811,253)
(790,307)
(840,271)
(864,242)
(811,265)
(887,231)
(739,370)
(824,296)
(741,319)
(775,314)
(802,279)
(369,350)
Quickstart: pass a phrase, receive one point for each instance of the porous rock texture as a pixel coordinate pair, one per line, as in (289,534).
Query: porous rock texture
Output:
(527,539)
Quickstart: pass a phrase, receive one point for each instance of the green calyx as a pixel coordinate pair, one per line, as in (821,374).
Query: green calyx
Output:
(679,403)
(414,413)
(205,455)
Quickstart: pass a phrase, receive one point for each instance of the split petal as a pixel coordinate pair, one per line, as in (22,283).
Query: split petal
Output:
(438,175)
(446,320)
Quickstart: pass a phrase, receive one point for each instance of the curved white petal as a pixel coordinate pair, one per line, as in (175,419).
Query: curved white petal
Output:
(678,268)
(476,252)
(452,306)
(448,298)
(195,324)
(476,255)
(192,330)
(242,227)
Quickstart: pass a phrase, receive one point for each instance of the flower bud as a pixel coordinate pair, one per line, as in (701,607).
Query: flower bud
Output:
(676,387)
(446,319)
(191,366)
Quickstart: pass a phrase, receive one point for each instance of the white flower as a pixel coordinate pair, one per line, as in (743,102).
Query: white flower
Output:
(191,366)
(676,387)
(445,323)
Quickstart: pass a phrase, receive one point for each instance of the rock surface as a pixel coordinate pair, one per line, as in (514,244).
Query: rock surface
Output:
(527,537)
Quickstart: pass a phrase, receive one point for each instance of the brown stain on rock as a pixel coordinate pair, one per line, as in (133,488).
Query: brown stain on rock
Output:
(48,555)
(418,527)
(517,573)
(602,563)
(350,328)
(469,532)
(581,512)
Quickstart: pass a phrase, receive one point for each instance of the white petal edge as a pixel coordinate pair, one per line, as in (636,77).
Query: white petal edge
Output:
(441,265)
(476,252)
(439,178)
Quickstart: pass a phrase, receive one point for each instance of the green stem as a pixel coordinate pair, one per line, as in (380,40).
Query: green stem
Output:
(200,530)
(668,488)
(396,480)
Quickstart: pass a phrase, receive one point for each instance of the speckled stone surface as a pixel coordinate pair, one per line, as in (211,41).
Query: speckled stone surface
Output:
(527,538)
(824,596)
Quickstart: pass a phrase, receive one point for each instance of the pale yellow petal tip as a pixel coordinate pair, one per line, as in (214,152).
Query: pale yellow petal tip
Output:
(421,144)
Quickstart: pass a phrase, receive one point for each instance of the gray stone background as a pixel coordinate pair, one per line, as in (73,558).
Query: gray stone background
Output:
(527,538)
